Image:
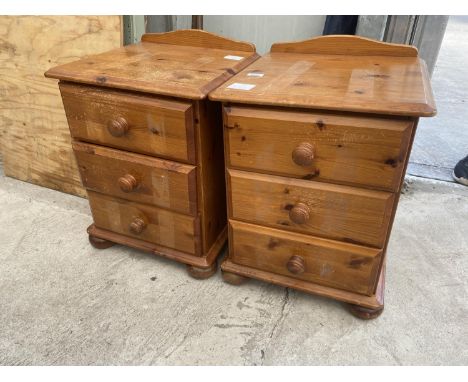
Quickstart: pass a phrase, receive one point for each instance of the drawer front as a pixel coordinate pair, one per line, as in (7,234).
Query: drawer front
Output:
(136,177)
(327,262)
(339,212)
(339,149)
(155,225)
(131,122)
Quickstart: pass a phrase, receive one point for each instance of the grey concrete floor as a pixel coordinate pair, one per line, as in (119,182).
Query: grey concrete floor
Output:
(63,302)
(443,140)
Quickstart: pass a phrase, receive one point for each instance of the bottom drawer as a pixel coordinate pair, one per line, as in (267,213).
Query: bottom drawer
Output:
(327,262)
(152,224)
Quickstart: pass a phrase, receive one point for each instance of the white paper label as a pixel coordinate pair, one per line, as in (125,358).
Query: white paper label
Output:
(255,74)
(235,58)
(239,86)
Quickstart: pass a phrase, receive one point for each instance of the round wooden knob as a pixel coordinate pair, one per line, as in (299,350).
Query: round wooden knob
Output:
(296,265)
(117,127)
(127,183)
(137,226)
(303,154)
(300,213)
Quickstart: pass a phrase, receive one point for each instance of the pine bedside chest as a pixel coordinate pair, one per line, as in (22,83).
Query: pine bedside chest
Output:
(147,142)
(317,136)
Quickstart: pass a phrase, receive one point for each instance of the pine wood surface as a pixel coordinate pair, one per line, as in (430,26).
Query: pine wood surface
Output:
(161,183)
(211,188)
(163,227)
(155,126)
(205,261)
(198,38)
(375,301)
(348,149)
(347,45)
(160,68)
(347,81)
(298,177)
(327,262)
(343,213)
(147,142)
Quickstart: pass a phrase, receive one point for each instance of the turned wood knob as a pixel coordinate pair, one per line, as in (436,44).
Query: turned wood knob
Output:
(127,183)
(137,226)
(303,154)
(300,213)
(117,127)
(296,265)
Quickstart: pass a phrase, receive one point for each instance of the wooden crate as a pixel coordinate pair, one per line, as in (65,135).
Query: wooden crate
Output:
(34,137)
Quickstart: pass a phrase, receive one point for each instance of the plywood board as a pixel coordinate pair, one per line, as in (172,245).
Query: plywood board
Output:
(34,136)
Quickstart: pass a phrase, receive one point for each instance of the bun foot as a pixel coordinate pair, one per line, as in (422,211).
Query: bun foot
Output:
(98,243)
(202,273)
(232,278)
(365,313)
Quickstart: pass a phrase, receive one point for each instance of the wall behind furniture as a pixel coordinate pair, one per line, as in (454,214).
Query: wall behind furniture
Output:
(261,30)
(34,136)
(265,30)
(424,32)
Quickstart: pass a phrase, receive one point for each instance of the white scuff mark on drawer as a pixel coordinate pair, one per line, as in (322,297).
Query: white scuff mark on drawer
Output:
(326,269)
(161,189)
(113,216)
(239,86)
(167,230)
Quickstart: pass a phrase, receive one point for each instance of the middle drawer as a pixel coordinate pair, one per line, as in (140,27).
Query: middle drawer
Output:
(136,177)
(340,212)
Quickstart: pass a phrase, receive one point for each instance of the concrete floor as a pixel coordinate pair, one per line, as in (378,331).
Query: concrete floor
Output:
(443,140)
(63,302)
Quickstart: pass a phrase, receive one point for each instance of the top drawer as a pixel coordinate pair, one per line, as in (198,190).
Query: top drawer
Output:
(138,123)
(344,149)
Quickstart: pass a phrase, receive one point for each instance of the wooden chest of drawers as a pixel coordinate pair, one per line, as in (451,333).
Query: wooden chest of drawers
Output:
(147,142)
(317,136)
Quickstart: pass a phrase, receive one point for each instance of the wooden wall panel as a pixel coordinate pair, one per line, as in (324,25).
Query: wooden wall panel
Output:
(34,137)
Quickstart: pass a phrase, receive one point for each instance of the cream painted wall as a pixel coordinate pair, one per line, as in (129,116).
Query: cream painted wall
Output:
(265,30)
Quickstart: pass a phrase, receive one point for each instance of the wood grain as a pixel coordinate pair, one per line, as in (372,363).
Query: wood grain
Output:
(345,266)
(348,149)
(161,183)
(34,136)
(371,302)
(343,213)
(345,45)
(363,84)
(163,227)
(346,162)
(120,110)
(156,126)
(175,71)
(199,261)
(198,38)
(211,186)
(143,200)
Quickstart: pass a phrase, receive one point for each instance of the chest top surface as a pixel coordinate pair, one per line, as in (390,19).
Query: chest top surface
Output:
(184,63)
(346,73)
